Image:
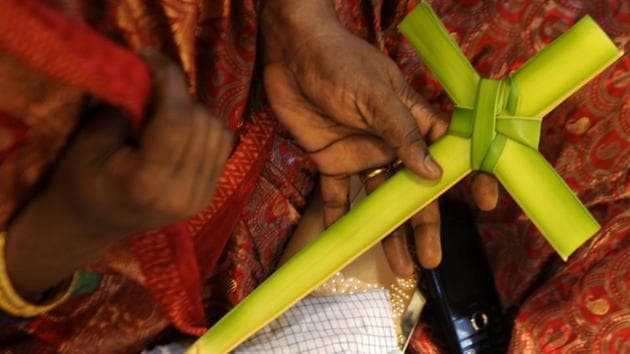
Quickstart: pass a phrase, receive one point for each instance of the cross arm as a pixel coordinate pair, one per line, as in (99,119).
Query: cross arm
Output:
(544,196)
(441,54)
(560,69)
(362,227)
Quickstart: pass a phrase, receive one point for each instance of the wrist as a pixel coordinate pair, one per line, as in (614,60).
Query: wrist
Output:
(19,304)
(294,11)
(46,243)
(287,24)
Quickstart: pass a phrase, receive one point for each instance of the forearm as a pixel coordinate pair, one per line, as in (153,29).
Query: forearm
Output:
(46,244)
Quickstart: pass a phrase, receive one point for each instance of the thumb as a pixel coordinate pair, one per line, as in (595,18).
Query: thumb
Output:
(395,124)
(106,131)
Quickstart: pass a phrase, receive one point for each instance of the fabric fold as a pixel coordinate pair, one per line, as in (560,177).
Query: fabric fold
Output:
(472,143)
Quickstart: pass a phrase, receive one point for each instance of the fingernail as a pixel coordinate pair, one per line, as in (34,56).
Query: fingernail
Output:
(432,166)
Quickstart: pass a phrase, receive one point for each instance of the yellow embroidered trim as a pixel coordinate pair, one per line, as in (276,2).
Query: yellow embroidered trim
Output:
(12,303)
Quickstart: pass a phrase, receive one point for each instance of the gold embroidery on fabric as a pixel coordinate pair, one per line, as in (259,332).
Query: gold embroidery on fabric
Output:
(598,306)
(399,292)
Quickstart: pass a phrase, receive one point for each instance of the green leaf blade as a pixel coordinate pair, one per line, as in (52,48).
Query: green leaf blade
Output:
(561,68)
(522,129)
(484,120)
(441,54)
(546,199)
(365,225)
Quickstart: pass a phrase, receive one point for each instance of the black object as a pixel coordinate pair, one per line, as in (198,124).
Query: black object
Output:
(462,294)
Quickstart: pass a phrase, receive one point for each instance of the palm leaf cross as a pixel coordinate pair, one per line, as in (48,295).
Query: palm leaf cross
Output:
(495,127)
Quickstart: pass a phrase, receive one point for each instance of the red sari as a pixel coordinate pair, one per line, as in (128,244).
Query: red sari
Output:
(186,275)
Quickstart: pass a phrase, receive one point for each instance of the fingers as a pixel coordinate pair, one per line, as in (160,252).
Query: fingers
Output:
(183,148)
(485,191)
(193,159)
(431,122)
(394,245)
(394,121)
(335,192)
(371,183)
(167,134)
(353,153)
(336,149)
(203,160)
(426,227)
(395,124)
(397,252)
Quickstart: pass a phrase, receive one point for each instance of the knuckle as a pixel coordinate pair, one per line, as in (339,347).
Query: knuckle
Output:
(177,208)
(407,93)
(144,189)
(335,203)
(411,136)
(365,107)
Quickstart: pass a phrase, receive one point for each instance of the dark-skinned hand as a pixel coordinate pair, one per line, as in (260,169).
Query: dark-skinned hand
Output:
(104,189)
(349,106)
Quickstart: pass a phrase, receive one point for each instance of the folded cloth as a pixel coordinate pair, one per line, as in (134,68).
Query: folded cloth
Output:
(350,323)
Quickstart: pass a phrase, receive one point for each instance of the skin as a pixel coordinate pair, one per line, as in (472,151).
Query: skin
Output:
(345,103)
(349,107)
(104,189)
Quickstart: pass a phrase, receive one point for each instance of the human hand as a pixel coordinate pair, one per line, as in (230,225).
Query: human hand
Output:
(170,175)
(425,225)
(104,188)
(349,106)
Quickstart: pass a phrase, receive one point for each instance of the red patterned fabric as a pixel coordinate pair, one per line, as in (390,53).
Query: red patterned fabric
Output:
(74,54)
(49,43)
(176,276)
(173,262)
(580,306)
(167,257)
